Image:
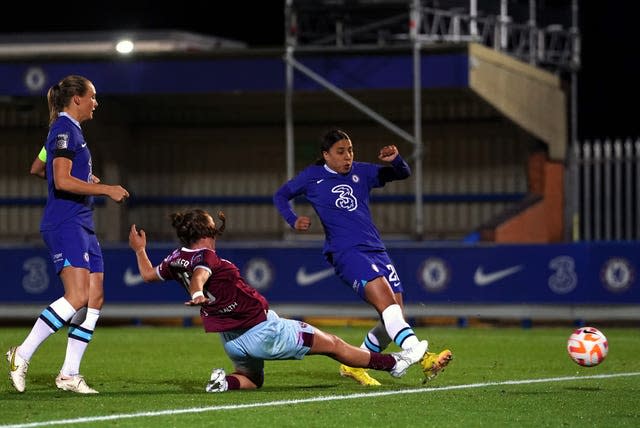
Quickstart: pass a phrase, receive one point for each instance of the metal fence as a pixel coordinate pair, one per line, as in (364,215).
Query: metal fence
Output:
(462,181)
(604,185)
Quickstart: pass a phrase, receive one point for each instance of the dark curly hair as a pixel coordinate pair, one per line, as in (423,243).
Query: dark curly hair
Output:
(193,225)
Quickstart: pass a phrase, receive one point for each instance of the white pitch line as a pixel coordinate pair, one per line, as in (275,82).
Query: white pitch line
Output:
(310,400)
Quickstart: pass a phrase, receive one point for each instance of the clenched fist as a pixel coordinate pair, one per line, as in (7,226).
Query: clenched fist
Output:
(388,153)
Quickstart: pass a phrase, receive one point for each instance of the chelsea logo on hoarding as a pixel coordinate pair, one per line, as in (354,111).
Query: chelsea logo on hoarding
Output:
(617,274)
(259,273)
(434,274)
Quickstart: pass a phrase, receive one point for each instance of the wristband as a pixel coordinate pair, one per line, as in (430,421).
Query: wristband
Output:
(197,294)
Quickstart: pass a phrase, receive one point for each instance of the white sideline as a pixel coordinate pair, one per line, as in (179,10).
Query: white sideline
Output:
(310,400)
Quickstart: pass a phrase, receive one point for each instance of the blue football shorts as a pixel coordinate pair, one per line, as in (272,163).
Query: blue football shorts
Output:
(74,245)
(274,339)
(357,268)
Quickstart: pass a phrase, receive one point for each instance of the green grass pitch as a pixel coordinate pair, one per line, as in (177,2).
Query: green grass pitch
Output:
(500,377)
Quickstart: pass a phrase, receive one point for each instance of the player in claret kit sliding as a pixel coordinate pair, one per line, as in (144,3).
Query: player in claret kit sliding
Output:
(250,332)
(338,188)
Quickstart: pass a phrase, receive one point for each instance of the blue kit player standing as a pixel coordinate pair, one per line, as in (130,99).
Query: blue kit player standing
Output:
(250,332)
(338,188)
(68,230)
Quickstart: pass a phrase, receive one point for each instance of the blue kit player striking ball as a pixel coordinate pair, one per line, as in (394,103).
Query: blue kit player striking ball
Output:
(338,188)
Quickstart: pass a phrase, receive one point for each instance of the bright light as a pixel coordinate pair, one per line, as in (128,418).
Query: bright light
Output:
(124,46)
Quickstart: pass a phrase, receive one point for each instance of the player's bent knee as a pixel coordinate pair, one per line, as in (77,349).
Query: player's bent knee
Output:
(257,379)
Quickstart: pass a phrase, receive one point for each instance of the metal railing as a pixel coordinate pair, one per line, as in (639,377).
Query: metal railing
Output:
(604,190)
(554,46)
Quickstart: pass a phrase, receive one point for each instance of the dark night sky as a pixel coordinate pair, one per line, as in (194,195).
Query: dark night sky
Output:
(609,90)
(608,87)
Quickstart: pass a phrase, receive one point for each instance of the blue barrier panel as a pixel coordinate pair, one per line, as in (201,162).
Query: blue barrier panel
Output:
(180,76)
(583,273)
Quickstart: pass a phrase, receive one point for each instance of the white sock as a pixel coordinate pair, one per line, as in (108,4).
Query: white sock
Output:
(397,328)
(79,338)
(92,319)
(51,319)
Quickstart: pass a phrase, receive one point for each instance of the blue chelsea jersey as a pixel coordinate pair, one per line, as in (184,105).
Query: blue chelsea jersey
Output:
(65,139)
(341,201)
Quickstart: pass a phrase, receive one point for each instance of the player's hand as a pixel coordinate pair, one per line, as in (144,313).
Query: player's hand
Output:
(118,193)
(137,239)
(198,301)
(388,153)
(303,223)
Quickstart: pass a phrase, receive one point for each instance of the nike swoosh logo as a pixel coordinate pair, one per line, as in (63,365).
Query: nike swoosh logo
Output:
(481,279)
(320,181)
(304,279)
(132,279)
(83,145)
(13,366)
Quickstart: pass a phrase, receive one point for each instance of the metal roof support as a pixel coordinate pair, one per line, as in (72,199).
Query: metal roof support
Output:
(414,26)
(416,139)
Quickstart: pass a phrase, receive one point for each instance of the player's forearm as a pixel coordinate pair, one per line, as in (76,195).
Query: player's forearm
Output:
(147,271)
(281,201)
(401,168)
(74,185)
